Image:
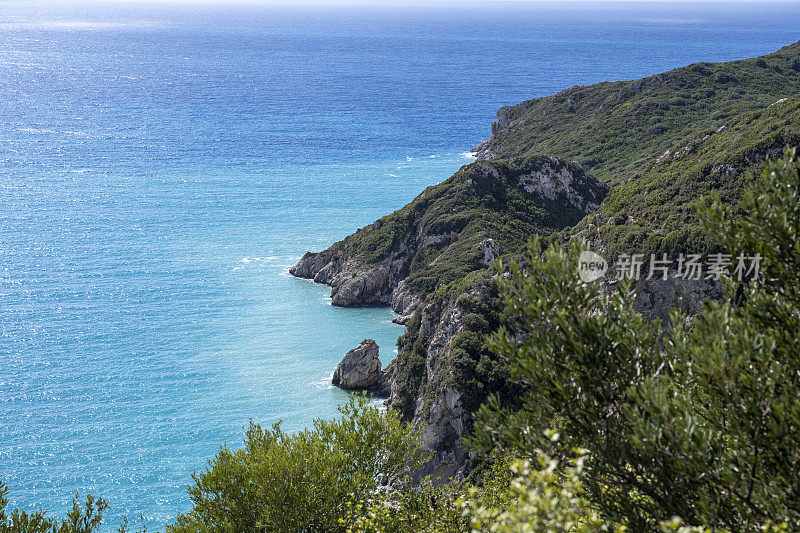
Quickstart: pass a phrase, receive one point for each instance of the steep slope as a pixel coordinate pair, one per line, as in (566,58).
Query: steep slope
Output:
(444,369)
(651,212)
(452,229)
(660,143)
(613,128)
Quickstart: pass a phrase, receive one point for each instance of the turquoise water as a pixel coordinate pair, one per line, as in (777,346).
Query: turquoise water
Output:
(162,167)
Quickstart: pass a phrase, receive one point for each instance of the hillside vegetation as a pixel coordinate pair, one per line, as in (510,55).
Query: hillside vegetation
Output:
(613,128)
(650,212)
(481,201)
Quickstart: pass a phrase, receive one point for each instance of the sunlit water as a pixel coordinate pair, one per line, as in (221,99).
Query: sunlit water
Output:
(161,168)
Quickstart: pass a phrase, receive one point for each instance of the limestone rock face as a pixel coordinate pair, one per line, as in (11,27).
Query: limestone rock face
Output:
(309,265)
(386,383)
(360,287)
(567,182)
(490,250)
(655,298)
(352,282)
(360,368)
(404,302)
(438,411)
(441,435)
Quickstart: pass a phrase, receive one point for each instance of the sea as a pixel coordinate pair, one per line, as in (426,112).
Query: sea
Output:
(163,165)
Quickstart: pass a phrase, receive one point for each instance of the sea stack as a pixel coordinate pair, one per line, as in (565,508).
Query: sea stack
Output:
(360,368)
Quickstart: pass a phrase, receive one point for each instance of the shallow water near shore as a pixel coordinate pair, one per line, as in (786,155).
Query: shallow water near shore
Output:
(162,167)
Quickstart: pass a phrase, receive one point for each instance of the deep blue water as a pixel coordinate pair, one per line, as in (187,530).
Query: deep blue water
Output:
(162,167)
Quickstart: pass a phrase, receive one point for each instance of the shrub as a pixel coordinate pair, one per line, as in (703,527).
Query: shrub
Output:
(80,519)
(302,481)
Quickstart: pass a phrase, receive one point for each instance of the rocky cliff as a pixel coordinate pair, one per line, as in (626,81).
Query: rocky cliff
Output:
(452,229)
(659,143)
(418,259)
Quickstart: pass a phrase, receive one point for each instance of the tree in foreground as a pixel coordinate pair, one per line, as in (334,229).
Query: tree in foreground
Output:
(701,421)
(513,496)
(303,481)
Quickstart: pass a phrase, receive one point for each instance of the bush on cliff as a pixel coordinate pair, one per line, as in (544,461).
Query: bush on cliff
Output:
(512,496)
(540,495)
(302,481)
(701,421)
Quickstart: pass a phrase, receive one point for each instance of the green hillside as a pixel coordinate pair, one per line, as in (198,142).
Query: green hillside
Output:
(613,128)
(444,233)
(651,211)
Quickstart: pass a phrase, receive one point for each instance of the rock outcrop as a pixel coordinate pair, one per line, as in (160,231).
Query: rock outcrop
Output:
(360,368)
(451,229)
(441,435)
(655,297)
(566,182)
(490,250)
(354,282)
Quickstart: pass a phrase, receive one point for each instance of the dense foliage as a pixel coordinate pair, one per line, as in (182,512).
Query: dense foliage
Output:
(652,211)
(700,421)
(535,496)
(302,481)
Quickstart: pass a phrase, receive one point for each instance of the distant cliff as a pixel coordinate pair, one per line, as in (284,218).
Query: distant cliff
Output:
(452,229)
(613,128)
(616,164)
